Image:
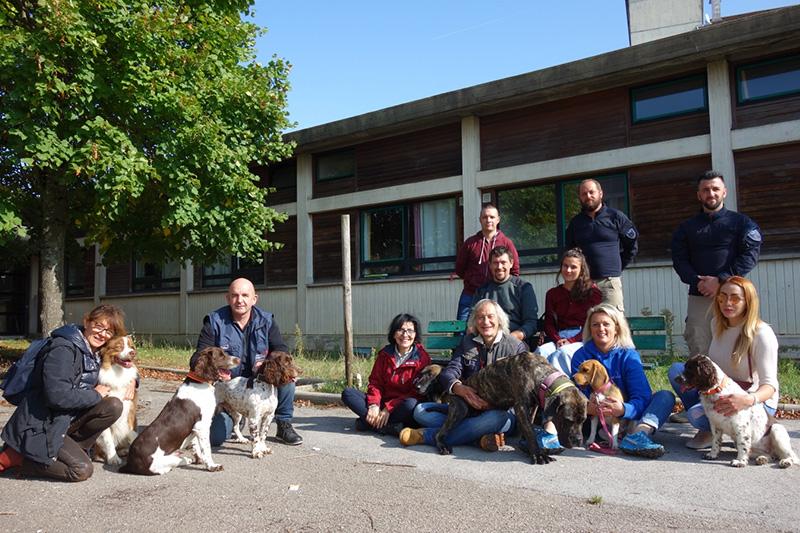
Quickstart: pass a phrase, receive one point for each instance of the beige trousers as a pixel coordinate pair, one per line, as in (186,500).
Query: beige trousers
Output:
(611,289)
(698,324)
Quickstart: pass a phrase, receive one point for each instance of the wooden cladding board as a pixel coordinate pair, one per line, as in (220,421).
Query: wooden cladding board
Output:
(767,181)
(582,124)
(409,158)
(282,264)
(285,191)
(766,112)
(327,228)
(661,197)
(669,128)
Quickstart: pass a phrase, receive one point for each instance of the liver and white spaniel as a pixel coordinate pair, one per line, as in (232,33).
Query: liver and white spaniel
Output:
(257,398)
(184,422)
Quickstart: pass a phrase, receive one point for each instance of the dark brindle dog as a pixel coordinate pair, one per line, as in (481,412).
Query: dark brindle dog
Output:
(526,382)
(427,384)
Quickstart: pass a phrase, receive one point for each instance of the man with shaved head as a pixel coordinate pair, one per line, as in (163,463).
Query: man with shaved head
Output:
(243,330)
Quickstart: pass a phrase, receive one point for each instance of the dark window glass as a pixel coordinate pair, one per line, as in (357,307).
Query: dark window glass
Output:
(408,239)
(156,277)
(536,217)
(669,99)
(221,274)
(335,165)
(768,79)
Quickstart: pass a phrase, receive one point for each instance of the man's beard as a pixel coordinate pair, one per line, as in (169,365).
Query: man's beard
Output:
(713,205)
(589,207)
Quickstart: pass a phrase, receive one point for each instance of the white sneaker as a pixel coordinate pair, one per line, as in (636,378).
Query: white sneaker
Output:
(700,441)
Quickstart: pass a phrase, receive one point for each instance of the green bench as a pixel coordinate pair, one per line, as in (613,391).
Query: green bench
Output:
(648,332)
(443,338)
(649,336)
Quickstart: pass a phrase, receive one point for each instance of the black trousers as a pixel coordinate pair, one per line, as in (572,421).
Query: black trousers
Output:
(73,462)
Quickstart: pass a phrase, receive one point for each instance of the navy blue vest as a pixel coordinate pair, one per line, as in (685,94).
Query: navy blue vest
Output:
(250,345)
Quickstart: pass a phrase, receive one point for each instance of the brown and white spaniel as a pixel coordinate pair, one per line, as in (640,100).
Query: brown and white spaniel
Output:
(118,372)
(257,398)
(185,421)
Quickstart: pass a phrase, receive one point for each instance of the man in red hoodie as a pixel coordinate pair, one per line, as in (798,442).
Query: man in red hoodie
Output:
(472,261)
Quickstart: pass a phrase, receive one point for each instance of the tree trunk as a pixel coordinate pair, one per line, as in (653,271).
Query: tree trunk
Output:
(54,226)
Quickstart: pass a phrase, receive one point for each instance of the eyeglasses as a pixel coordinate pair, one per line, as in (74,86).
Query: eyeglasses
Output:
(735,299)
(99,328)
(409,332)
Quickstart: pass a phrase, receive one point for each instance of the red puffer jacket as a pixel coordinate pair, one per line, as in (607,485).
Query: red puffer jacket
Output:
(388,384)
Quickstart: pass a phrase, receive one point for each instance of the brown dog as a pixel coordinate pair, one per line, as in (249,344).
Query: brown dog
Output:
(427,384)
(594,374)
(526,382)
(118,372)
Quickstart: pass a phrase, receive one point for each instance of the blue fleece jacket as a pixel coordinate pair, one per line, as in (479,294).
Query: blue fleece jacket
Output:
(624,366)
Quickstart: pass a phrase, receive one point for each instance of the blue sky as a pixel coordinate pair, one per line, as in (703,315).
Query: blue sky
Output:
(354,56)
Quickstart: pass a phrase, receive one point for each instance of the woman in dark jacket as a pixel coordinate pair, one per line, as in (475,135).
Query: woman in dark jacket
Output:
(390,399)
(64,409)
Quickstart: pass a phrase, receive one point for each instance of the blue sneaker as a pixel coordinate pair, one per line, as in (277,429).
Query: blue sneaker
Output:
(640,444)
(548,442)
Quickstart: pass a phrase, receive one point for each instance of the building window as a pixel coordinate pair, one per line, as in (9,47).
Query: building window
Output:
(78,269)
(768,79)
(669,99)
(221,274)
(409,238)
(335,165)
(156,276)
(536,217)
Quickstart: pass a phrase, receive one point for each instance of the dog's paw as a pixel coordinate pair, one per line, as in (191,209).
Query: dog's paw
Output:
(762,460)
(445,450)
(710,456)
(115,460)
(738,463)
(214,468)
(542,459)
(785,463)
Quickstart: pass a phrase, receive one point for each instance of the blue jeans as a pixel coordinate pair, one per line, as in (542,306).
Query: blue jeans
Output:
(402,413)
(464,306)
(658,410)
(561,358)
(691,400)
(222,423)
(432,415)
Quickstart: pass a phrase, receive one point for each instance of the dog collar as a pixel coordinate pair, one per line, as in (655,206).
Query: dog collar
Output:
(551,386)
(717,389)
(191,376)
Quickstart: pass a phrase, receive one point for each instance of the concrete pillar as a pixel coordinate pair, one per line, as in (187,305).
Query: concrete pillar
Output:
(470,165)
(305,237)
(186,286)
(721,121)
(99,276)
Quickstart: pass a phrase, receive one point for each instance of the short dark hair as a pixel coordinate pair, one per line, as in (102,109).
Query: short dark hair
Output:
(710,175)
(497,251)
(397,323)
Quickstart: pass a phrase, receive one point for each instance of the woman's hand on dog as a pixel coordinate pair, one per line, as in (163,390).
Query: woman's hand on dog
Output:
(470,396)
(731,404)
(130,392)
(609,407)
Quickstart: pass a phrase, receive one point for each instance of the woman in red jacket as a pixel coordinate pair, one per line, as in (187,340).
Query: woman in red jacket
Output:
(565,310)
(389,402)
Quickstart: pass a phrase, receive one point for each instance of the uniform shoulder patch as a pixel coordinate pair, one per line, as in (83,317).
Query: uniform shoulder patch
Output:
(754,235)
(630,233)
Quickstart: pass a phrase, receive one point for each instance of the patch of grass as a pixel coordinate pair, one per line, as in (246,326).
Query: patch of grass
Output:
(595,500)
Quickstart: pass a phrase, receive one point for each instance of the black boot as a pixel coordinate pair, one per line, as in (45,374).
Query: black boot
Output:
(287,434)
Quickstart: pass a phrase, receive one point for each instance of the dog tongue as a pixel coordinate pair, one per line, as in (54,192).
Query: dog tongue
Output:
(224,374)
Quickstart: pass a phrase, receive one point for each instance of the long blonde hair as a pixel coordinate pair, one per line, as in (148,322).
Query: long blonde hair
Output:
(751,320)
(624,339)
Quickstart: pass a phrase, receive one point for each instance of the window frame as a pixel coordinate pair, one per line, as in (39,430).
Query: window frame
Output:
(254,273)
(407,262)
(157,281)
(563,187)
(319,157)
(634,91)
(742,101)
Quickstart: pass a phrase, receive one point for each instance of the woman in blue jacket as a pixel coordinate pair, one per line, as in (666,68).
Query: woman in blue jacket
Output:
(64,409)
(608,340)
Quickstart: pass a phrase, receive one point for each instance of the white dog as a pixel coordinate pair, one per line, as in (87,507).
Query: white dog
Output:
(750,428)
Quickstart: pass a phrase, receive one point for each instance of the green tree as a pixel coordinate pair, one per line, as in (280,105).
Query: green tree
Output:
(133,124)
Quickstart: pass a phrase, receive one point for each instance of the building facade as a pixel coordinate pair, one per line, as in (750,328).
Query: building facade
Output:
(645,121)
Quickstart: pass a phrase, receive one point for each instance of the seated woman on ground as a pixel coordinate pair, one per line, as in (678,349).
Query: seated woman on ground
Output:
(64,409)
(490,342)
(745,348)
(389,402)
(608,340)
(566,306)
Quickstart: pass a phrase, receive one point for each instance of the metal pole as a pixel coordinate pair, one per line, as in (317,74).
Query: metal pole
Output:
(347,291)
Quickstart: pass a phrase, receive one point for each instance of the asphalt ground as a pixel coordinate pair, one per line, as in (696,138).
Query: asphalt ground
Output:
(341,480)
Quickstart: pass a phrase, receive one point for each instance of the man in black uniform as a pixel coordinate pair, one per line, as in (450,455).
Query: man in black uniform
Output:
(707,249)
(608,240)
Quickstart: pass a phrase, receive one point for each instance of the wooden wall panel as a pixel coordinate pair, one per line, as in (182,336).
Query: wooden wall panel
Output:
(327,228)
(118,278)
(767,182)
(285,187)
(669,128)
(759,113)
(661,197)
(578,125)
(282,264)
(413,157)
